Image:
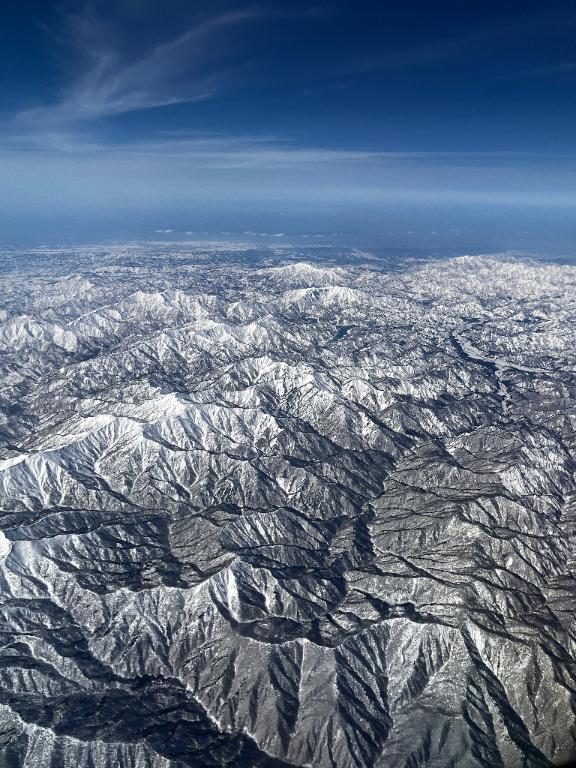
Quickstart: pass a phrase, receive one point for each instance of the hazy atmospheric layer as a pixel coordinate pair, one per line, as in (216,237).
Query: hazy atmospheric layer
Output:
(269,508)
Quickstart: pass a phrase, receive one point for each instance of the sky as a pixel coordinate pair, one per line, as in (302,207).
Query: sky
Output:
(423,119)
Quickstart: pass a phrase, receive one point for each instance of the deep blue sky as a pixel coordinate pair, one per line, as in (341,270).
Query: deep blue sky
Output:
(142,114)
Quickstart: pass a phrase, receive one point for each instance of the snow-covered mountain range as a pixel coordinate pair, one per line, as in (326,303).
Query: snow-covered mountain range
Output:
(278,508)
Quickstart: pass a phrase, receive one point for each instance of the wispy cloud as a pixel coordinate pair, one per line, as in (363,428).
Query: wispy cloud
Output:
(113,78)
(524,29)
(566,66)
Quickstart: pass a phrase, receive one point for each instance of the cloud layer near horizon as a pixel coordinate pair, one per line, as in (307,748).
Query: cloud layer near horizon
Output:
(69,174)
